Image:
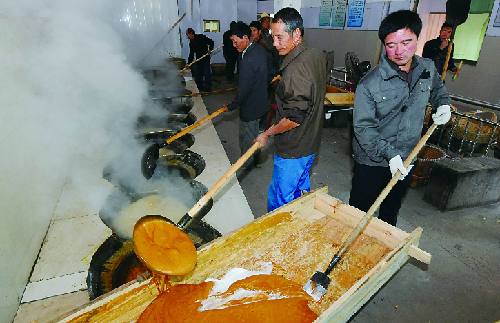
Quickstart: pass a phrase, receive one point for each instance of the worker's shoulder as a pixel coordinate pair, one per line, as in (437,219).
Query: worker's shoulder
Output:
(433,42)
(373,77)
(310,52)
(427,63)
(204,37)
(256,52)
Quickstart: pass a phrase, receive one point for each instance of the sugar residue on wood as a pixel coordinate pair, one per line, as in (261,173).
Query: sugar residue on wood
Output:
(296,248)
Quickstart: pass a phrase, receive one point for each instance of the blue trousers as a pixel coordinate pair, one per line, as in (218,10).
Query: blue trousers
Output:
(290,180)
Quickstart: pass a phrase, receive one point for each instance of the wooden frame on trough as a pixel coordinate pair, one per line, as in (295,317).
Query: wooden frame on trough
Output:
(126,303)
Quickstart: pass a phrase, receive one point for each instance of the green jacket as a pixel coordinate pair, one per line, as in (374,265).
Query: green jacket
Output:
(389,110)
(300,95)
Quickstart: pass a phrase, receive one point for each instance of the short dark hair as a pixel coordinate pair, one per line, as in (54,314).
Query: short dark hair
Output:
(256,24)
(447,25)
(400,20)
(190,31)
(232,24)
(291,18)
(241,29)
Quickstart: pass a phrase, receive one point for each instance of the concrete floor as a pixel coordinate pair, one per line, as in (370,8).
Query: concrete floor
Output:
(462,283)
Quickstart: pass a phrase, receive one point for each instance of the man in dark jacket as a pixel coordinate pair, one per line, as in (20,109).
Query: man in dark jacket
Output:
(257,36)
(437,49)
(252,85)
(300,94)
(388,116)
(199,45)
(230,53)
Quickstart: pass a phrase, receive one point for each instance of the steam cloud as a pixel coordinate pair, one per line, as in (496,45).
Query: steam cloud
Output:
(70,98)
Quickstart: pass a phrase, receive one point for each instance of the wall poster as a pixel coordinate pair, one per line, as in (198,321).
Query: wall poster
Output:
(356,9)
(325,13)
(338,13)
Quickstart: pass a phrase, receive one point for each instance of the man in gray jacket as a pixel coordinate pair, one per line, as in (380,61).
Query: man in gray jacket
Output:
(389,110)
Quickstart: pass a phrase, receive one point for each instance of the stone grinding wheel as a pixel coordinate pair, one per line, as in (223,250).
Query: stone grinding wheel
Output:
(163,247)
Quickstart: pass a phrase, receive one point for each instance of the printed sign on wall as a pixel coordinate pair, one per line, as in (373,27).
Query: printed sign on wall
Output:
(325,13)
(355,13)
(338,13)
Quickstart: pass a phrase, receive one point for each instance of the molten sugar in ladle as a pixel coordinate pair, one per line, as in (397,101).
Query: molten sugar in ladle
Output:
(152,153)
(163,248)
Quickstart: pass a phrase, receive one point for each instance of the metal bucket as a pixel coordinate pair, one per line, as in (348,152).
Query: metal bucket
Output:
(425,161)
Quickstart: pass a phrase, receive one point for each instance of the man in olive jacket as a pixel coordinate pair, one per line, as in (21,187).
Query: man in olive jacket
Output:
(251,97)
(388,116)
(299,94)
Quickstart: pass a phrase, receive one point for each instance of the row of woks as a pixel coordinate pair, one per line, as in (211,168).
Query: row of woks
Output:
(114,263)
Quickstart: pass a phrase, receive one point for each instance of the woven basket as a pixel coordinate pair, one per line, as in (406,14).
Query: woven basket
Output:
(425,160)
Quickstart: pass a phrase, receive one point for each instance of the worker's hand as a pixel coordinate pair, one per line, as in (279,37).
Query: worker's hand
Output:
(232,106)
(444,43)
(263,139)
(395,164)
(442,115)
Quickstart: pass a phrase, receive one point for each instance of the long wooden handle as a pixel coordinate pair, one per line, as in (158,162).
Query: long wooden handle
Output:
(369,214)
(196,124)
(445,66)
(200,58)
(224,179)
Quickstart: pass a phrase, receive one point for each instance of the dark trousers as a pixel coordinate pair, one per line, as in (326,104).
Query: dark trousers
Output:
(368,182)
(202,75)
(249,130)
(229,68)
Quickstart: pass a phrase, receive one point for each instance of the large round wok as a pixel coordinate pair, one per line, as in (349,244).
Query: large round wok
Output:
(115,263)
(122,197)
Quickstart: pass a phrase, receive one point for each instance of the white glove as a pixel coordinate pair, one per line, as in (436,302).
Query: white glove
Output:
(395,164)
(442,115)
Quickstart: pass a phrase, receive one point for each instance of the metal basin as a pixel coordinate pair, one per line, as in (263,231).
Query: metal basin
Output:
(161,75)
(122,197)
(115,263)
(170,121)
(179,62)
(187,164)
(171,97)
(185,107)
(186,118)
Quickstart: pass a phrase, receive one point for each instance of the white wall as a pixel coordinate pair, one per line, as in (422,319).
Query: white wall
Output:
(146,29)
(69,99)
(247,10)
(223,10)
(265,6)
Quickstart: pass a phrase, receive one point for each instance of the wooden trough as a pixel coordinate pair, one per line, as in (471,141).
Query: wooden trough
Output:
(299,238)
